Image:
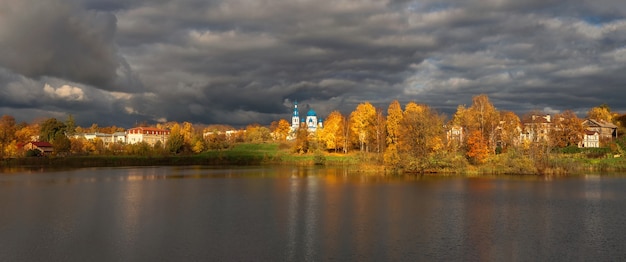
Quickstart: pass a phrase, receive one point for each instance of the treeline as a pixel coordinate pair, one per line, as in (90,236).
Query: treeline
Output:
(419,139)
(413,137)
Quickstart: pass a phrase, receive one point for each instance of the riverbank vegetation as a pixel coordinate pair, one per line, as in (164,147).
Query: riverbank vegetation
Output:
(476,139)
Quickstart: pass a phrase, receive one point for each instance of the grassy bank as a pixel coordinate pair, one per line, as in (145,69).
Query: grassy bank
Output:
(239,155)
(280,154)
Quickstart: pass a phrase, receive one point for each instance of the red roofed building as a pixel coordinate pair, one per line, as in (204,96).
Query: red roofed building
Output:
(44,147)
(149,135)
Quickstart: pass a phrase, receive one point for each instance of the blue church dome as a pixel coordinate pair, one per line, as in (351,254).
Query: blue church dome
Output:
(311,113)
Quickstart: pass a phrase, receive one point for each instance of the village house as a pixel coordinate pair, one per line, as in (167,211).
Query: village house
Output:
(148,135)
(454,133)
(44,147)
(590,139)
(606,130)
(536,128)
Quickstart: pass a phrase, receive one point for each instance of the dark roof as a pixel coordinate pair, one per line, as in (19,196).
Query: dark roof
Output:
(536,119)
(599,123)
(41,144)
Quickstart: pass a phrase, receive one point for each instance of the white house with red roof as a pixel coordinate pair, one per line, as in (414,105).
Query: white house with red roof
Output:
(149,135)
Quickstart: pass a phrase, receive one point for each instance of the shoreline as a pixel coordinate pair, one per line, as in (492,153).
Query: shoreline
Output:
(557,167)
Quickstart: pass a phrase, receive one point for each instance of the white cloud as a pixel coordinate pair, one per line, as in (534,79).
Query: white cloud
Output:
(65,92)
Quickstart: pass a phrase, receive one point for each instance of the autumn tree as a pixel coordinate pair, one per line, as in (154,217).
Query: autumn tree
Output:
(362,122)
(7,134)
(61,143)
(188,132)
(602,112)
(256,133)
(394,118)
(567,130)
(420,134)
(331,136)
(509,130)
(463,118)
(380,131)
(487,118)
(27,132)
(477,149)
(176,140)
(301,143)
(280,129)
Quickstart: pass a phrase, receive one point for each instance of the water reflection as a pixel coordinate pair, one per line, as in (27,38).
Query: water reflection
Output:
(305,214)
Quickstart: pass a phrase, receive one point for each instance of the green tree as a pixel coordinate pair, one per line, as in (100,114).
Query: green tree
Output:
(70,125)
(50,128)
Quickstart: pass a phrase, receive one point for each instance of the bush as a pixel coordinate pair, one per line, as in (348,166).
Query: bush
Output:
(319,159)
(33,153)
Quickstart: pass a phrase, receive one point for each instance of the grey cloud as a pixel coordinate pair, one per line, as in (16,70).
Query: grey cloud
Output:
(238,62)
(59,39)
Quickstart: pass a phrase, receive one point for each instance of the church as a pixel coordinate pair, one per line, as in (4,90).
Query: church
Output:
(311,122)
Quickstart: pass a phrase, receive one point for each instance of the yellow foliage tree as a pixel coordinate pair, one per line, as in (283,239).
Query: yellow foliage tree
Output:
(281,129)
(420,133)
(362,123)
(7,133)
(602,112)
(487,118)
(509,130)
(187,131)
(394,116)
(332,133)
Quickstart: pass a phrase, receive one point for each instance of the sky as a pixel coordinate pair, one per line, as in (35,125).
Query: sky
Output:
(237,62)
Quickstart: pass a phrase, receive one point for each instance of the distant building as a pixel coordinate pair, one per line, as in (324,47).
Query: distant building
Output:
(149,135)
(536,128)
(590,139)
(44,147)
(311,121)
(606,130)
(117,137)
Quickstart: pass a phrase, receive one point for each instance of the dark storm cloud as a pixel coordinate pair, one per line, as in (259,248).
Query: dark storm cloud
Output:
(238,62)
(58,39)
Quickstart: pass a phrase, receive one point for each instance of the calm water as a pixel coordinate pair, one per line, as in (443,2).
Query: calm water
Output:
(306,214)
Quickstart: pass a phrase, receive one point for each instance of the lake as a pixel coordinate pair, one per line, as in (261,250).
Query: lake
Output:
(306,214)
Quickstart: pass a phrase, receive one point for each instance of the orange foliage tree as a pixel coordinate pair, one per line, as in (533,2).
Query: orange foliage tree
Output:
(477,149)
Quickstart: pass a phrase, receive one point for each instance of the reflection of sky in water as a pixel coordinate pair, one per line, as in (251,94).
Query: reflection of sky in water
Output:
(305,214)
